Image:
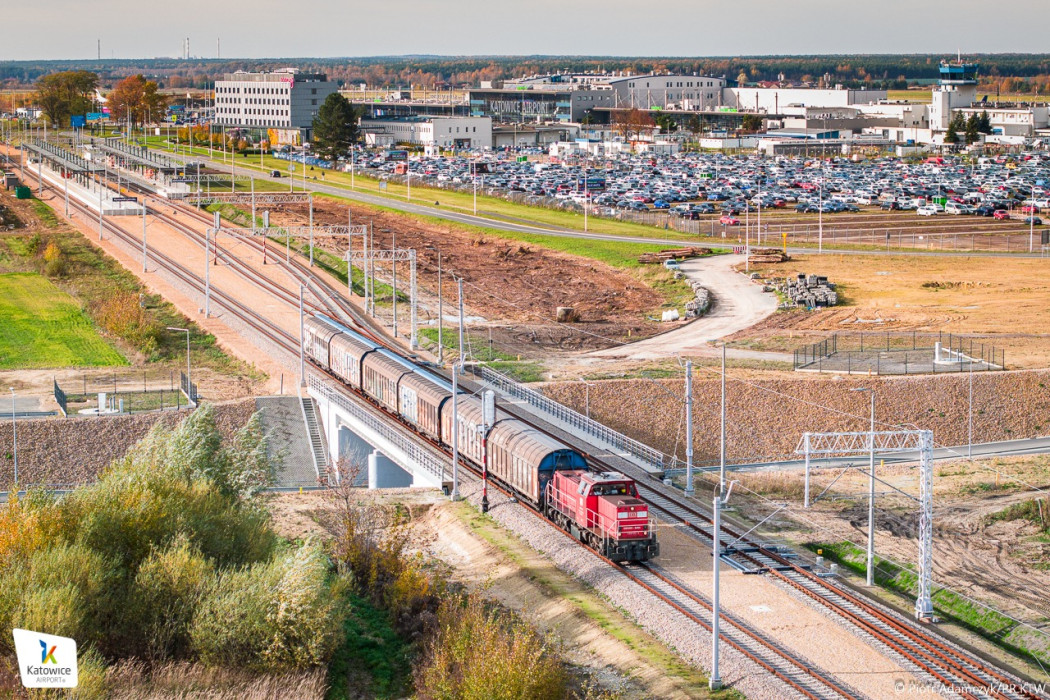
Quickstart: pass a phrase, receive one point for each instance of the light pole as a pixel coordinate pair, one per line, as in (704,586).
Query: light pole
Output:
(871,490)
(14,436)
(189,381)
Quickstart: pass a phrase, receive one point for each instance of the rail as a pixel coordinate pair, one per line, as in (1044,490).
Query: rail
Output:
(414,452)
(505,385)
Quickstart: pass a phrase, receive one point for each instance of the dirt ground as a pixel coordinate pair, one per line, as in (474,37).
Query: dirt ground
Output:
(481,555)
(1005,564)
(504,280)
(1001,299)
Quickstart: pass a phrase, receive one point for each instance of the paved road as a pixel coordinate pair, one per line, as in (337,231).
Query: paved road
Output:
(738,303)
(523,226)
(1005,448)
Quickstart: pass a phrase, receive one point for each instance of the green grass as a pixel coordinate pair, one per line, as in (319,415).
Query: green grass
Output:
(47,214)
(502,362)
(371,655)
(997,628)
(493,207)
(44,327)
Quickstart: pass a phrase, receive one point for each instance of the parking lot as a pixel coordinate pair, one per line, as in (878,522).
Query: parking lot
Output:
(937,203)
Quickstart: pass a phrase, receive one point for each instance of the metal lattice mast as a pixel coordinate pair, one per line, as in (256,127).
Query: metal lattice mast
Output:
(891,441)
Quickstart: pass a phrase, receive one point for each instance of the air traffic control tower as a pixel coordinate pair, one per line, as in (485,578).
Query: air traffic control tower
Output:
(957,88)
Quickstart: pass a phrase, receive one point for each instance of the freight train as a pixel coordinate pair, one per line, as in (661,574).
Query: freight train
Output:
(601,510)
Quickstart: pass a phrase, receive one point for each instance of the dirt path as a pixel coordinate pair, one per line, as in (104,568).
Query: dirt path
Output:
(738,304)
(482,555)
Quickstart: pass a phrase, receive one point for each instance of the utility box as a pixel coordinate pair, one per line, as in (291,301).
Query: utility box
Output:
(23,192)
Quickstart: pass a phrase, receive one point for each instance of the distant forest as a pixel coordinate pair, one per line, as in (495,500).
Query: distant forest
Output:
(1028,73)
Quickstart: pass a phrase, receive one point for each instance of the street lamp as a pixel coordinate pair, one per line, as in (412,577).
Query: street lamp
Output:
(189,383)
(871,490)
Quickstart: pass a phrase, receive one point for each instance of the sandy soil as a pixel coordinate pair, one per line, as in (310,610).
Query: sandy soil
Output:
(520,579)
(1000,563)
(504,281)
(784,618)
(738,304)
(1002,299)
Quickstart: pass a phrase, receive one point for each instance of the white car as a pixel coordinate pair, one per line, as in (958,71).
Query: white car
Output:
(927,211)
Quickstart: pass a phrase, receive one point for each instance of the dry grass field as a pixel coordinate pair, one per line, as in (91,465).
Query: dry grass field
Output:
(1003,299)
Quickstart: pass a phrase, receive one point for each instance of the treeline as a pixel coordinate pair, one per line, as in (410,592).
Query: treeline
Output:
(883,71)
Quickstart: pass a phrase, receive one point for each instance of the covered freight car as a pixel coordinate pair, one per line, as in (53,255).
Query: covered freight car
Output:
(520,456)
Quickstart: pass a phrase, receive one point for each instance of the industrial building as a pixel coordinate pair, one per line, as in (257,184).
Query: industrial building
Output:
(467,133)
(281,100)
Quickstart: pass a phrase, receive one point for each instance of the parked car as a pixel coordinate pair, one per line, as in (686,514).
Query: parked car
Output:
(1001,214)
(275,173)
(927,211)
(1033,221)
(728,220)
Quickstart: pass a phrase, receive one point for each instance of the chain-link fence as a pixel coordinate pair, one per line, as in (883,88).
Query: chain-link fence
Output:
(899,353)
(124,392)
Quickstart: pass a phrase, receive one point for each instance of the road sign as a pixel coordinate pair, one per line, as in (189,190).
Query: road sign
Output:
(125,199)
(95,116)
(78,121)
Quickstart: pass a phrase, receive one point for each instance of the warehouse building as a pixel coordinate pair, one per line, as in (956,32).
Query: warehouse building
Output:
(440,132)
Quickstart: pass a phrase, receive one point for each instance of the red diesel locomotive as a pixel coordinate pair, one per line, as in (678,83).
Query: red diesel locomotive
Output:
(603,511)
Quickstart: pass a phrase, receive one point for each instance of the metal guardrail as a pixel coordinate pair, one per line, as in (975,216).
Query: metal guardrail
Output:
(413,451)
(577,421)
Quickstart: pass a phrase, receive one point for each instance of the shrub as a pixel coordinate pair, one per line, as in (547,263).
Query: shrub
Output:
(68,590)
(168,587)
(275,615)
(479,653)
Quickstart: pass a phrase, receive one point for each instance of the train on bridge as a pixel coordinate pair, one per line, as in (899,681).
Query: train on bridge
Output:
(602,510)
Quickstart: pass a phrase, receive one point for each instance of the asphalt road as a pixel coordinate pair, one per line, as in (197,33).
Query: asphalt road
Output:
(412,207)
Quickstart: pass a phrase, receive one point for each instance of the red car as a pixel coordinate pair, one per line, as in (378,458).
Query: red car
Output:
(728,220)
(1001,214)
(1029,209)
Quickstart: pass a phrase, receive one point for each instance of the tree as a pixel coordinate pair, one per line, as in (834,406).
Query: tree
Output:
(984,123)
(632,122)
(972,134)
(666,123)
(751,122)
(64,94)
(335,127)
(954,127)
(133,98)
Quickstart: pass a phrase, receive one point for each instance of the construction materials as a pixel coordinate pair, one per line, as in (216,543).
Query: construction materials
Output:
(809,291)
(672,254)
(768,255)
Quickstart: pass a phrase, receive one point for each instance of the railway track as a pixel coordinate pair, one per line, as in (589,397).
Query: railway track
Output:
(941,661)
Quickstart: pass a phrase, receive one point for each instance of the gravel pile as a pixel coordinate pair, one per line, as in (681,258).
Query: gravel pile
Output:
(680,634)
(766,419)
(72,451)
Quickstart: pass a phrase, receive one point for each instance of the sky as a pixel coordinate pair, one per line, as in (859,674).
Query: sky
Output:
(68,29)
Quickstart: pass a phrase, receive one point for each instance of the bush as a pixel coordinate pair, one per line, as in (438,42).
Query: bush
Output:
(276,615)
(168,587)
(67,590)
(479,653)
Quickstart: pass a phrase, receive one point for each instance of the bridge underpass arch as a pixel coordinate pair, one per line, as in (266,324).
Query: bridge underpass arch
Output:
(354,430)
